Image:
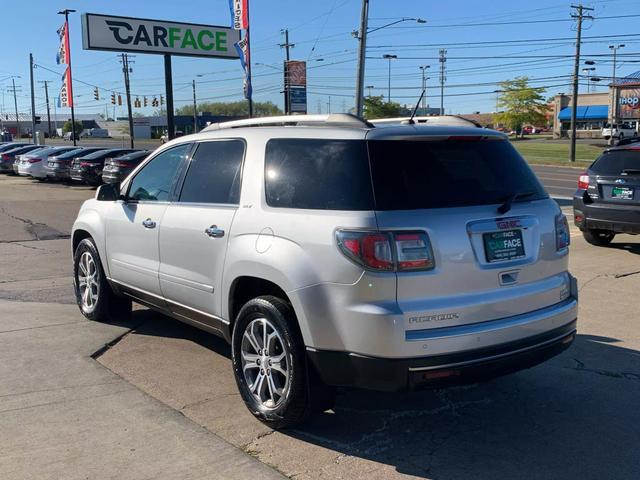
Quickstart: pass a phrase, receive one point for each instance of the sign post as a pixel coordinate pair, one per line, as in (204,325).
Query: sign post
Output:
(295,81)
(160,37)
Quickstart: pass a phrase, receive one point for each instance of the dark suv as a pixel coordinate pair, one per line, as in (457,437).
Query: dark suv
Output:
(607,201)
(88,169)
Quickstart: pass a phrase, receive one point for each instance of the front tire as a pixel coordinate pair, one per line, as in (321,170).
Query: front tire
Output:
(599,238)
(269,363)
(94,296)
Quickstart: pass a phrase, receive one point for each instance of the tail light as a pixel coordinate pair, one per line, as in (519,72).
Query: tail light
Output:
(86,164)
(583,182)
(387,251)
(119,164)
(35,160)
(5,157)
(563,236)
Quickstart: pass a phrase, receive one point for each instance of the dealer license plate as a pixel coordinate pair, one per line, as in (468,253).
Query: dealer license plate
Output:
(505,245)
(625,193)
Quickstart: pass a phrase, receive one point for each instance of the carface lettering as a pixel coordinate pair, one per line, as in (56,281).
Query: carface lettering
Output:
(159,36)
(189,40)
(115,28)
(142,36)
(201,43)
(173,36)
(221,41)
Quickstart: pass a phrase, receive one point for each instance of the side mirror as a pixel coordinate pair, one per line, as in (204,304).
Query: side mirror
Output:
(108,192)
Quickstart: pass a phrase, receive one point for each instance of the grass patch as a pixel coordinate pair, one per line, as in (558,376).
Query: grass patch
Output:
(540,153)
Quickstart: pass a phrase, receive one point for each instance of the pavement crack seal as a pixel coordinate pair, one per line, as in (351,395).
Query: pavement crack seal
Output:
(39,231)
(580,367)
(628,274)
(609,275)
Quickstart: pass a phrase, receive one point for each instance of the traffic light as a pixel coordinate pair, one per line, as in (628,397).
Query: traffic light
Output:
(37,120)
(145,101)
(154,102)
(161,100)
(96,94)
(136,103)
(113,99)
(119,100)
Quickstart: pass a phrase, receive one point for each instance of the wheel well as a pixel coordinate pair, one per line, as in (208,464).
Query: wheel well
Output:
(78,236)
(244,289)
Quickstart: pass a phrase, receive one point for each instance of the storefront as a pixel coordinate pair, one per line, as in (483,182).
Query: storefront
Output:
(594,109)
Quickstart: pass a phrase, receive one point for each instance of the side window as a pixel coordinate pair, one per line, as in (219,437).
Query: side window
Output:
(318,174)
(214,173)
(153,182)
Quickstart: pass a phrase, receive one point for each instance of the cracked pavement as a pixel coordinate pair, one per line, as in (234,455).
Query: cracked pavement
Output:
(574,417)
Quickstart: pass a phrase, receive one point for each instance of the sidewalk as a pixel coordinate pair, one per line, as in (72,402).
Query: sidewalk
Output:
(62,415)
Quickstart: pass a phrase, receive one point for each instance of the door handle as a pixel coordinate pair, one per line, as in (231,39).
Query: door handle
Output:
(148,223)
(214,232)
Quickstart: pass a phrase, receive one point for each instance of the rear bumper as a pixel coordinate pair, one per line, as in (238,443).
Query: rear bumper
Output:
(58,173)
(111,177)
(598,216)
(352,370)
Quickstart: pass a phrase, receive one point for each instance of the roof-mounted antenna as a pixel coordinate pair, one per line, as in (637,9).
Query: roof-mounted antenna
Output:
(413,114)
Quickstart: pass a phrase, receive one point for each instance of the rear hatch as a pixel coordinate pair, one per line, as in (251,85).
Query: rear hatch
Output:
(488,264)
(614,178)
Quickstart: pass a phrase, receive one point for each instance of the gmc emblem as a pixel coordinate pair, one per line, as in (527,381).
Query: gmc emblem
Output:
(508,224)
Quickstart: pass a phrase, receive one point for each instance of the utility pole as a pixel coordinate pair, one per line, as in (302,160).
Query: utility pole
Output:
(126,70)
(33,100)
(362,50)
(195,108)
(443,78)
(424,88)
(15,104)
(46,96)
(614,90)
(580,16)
(286,45)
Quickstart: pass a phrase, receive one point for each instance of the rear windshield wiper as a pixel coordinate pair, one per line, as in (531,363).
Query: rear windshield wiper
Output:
(631,171)
(506,206)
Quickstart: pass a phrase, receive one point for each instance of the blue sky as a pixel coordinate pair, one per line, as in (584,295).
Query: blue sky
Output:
(321,33)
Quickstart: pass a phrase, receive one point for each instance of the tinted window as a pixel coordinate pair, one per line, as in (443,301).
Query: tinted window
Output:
(449,173)
(318,174)
(214,173)
(154,181)
(615,161)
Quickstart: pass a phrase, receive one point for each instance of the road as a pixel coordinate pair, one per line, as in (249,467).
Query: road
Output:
(560,182)
(167,395)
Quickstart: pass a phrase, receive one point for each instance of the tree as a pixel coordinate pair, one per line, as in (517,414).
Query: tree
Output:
(521,104)
(233,109)
(67,127)
(376,107)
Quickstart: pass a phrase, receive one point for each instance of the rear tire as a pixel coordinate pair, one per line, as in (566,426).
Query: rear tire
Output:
(599,238)
(271,375)
(94,296)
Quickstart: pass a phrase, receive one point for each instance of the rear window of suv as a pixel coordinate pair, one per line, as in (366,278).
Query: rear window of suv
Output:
(395,174)
(411,174)
(614,162)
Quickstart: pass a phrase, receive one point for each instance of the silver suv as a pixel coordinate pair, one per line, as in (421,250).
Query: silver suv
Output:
(332,253)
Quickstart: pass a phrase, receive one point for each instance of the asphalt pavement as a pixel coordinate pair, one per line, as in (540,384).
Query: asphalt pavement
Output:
(161,401)
(560,182)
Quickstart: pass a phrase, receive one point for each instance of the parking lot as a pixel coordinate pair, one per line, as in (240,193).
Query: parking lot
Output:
(161,398)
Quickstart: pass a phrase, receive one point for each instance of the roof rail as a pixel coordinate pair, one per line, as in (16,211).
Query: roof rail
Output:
(330,120)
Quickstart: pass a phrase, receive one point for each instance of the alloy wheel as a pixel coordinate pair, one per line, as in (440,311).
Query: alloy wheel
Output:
(265,363)
(88,281)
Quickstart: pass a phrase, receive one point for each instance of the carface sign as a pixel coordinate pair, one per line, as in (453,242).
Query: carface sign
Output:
(124,34)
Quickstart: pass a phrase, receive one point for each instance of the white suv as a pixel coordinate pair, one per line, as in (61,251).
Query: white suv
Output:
(333,253)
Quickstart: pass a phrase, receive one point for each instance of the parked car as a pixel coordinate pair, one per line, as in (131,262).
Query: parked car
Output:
(8,157)
(59,166)
(88,169)
(607,201)
(116,169)
(618,131)
(335,254)
(33,164)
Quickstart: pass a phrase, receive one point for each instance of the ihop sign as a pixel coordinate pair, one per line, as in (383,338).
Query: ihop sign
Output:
(632,102)
(629,103)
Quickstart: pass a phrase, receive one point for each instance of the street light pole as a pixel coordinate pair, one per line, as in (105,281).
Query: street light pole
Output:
(614,91)
(424,88)
(66,13)
(389,57)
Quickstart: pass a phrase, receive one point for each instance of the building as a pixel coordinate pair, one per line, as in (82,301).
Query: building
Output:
(596,109)
(8,122)
(155,127)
